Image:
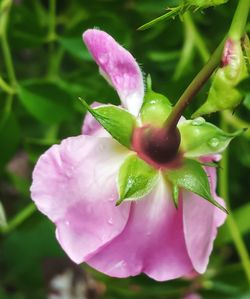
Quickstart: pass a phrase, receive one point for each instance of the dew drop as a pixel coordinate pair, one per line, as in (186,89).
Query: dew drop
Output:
(198,121)
(110,221)
(214,142)
(67,223)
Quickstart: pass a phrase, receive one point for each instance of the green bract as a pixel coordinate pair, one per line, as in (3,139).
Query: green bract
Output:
(155,109)
(200,138)
(117,121)
(223,94)
(192,177)
(136,179)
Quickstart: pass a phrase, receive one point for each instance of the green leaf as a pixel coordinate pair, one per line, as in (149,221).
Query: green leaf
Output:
(117,121)
(47,102)
(192,177)
(156,107)
(136,179)
(200,138)
(75,47)
(10,138)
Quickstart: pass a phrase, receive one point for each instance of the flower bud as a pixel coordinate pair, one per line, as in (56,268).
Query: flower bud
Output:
(223,94)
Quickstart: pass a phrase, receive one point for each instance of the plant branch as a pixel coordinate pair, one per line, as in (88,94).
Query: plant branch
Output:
(232,225)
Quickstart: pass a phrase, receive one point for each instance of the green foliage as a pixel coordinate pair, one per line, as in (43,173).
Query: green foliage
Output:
(52,69)
(136,179)
(200,138)
(223,93)
(192,177)
(117,121)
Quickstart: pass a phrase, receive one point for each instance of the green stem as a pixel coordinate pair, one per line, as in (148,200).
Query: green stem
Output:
(199,42)
(194,87)
(236,122)
(232,225)
(174,11)
(6,87)
(236,31)
(18,219)
(238,25)
(4,13)
(228,117)
(52,20)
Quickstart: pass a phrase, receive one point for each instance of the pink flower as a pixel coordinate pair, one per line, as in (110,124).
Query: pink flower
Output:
(74,184)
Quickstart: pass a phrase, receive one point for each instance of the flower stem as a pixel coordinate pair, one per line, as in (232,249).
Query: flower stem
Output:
(194,87)
(237,28)
(223,190)
(18,219)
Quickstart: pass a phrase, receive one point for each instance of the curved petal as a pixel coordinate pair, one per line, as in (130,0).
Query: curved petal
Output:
(90,125)
(118,66)
(201,220)
(74,185)
(152,241)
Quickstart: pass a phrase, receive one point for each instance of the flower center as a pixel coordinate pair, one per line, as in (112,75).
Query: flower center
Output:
(157,146)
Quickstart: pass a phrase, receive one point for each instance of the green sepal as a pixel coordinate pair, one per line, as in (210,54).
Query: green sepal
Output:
(201,138)
(117,121)
(192,177)
(175,195)
(136,179)
(156,107)
(223,93)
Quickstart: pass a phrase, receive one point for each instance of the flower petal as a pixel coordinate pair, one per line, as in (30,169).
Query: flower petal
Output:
(201,219)
(90,125)
(74,185)
(118,66)
(152,241)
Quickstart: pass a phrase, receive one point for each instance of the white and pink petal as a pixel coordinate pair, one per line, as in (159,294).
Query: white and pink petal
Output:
(200,220)
(118,66)
(74,185)
(152,241)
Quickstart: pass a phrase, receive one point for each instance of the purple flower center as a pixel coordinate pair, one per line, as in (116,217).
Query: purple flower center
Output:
(158,146)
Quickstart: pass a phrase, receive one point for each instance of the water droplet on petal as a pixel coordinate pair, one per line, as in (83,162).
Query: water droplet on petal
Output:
(198,121)
(214,142)
(67,223)
(110,221)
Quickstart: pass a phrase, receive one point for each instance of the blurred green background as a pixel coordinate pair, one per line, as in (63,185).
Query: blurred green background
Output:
(47,70)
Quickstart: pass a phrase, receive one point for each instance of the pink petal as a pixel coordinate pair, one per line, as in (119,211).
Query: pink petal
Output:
(152,241)
(118,66)
(90,124)
(74,185)
(201,220)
